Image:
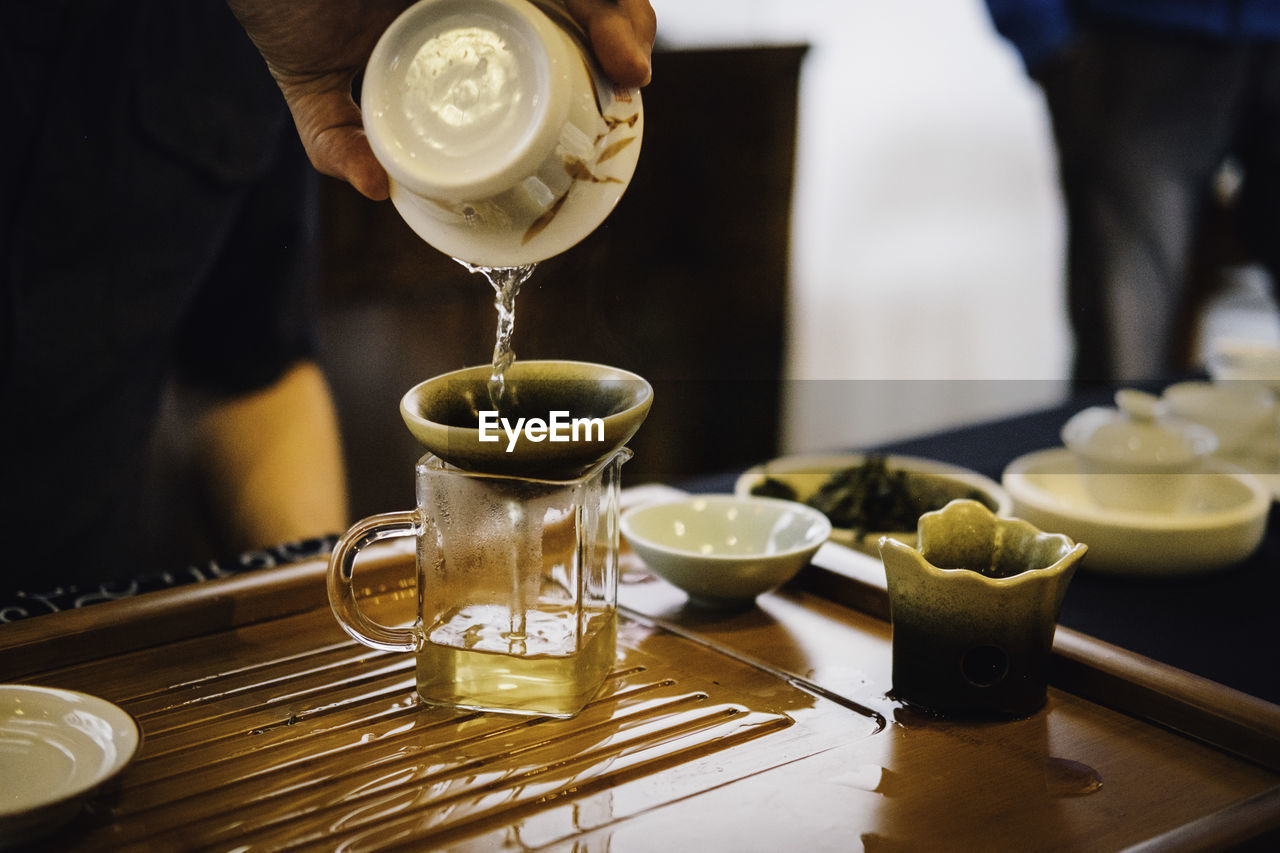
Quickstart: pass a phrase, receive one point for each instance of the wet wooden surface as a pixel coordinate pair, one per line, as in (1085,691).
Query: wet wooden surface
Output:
(770,728)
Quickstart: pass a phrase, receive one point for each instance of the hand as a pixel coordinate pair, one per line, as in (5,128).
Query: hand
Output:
(315,49)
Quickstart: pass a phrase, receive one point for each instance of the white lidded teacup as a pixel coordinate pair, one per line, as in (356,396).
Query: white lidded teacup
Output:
(504,143)
(1135,456)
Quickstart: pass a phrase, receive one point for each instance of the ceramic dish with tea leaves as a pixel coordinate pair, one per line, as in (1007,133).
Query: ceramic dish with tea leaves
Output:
(866,496)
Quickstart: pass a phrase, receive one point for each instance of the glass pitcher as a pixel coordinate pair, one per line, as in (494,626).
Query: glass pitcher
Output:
(517,582)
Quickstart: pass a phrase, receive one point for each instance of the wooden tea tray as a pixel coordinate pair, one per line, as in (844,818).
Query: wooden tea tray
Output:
(266,728)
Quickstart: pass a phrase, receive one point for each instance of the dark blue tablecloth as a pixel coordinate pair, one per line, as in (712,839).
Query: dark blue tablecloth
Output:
(1224,625)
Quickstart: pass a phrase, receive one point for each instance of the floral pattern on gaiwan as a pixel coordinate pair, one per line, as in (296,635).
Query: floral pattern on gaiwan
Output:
(581,172)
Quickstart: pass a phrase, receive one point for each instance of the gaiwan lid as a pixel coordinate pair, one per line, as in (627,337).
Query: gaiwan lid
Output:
(1138,431)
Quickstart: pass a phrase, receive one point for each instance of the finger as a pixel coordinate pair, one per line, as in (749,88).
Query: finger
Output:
(622,35)
(644,21)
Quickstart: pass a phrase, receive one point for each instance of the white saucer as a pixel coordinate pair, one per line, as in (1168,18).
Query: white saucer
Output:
(56,747)
(1223,523)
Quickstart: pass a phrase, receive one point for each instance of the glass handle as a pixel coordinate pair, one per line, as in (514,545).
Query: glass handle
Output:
(342,596)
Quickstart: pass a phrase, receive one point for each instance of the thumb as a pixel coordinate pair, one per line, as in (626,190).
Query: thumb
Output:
(344,153)
(330,127)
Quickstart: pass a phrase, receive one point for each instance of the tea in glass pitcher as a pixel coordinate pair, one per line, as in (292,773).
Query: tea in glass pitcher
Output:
(539,636)
(517,586)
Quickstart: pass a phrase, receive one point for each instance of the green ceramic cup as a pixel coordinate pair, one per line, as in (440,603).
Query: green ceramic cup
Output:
(974,609)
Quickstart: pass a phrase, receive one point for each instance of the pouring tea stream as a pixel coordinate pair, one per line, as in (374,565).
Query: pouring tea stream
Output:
(504,145)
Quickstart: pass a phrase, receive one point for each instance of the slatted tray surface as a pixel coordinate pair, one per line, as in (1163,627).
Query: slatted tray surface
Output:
(293,737)
(772,728)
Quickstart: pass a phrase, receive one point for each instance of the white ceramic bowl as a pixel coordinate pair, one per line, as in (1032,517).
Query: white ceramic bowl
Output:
(724,550)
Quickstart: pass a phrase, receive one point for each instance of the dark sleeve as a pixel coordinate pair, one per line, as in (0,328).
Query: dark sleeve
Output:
(227,196)
(254,315)
(1036,28)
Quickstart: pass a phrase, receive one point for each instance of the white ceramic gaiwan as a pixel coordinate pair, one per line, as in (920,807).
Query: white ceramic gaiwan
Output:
(503,142)
(1134,456)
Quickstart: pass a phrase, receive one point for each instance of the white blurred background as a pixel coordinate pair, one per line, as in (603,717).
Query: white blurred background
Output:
(927,226)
